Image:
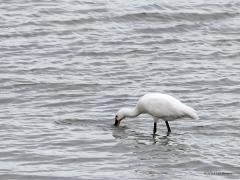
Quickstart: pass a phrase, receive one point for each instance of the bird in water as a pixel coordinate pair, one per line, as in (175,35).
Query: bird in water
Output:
(159,106)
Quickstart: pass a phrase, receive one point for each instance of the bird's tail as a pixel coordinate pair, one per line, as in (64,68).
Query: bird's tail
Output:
(190,112)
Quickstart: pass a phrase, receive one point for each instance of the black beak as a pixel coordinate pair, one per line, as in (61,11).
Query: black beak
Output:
(116,123)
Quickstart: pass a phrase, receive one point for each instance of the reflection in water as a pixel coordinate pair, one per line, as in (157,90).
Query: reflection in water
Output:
(166,142)
(119,132)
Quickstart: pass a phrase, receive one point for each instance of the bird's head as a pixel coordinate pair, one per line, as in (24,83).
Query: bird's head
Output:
(120,115)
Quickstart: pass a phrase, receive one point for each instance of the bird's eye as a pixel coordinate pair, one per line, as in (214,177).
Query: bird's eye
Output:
(116,116)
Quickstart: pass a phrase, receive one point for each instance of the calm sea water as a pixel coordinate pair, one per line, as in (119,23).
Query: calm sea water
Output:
(67,66)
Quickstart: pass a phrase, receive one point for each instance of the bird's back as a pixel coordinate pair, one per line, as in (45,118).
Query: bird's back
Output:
(164,106)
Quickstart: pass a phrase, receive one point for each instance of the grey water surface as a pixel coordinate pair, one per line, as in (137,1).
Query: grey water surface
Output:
(67,66)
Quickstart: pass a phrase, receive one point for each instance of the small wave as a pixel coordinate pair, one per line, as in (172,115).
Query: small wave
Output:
(75,121)
(144,16)
(167,17)
(172,29)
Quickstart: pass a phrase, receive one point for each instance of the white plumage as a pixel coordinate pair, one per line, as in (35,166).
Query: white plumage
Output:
(160,106)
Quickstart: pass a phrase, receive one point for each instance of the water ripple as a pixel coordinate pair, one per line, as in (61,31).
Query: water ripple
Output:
(67,67)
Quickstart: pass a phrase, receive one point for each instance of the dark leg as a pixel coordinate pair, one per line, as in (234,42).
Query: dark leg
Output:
(168,127)
(154,128)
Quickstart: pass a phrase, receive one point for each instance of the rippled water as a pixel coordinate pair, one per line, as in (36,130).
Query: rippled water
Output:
(68,66)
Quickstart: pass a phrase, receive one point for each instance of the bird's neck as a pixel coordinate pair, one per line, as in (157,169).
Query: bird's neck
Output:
(131,112)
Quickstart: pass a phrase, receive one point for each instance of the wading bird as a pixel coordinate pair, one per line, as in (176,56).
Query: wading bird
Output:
(160,106)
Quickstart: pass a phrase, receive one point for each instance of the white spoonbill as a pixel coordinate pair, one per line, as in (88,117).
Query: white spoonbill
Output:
(160,106)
